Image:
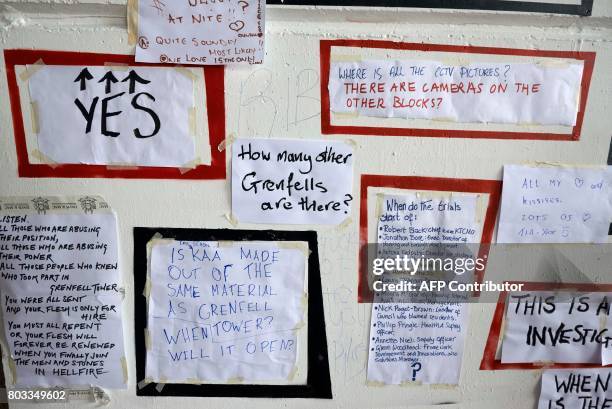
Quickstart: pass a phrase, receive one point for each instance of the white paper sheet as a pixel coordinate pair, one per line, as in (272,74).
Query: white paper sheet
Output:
(92,118)
(289,181)
(201,32)
(421,342)
(560,204)
(514,93)
(561,327)
(223,311)
(576,388)
(61,292)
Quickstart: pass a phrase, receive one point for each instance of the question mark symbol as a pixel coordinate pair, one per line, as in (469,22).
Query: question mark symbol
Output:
(506,72)
(346,201)
(416,367)
(244,4)
(269,318)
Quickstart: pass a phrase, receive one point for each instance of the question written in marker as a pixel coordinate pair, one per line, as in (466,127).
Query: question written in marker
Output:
(292,181)
(504,92)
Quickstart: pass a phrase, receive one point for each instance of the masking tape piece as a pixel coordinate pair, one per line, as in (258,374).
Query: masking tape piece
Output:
(295,245)
(225,243)
(292,374)
(192,121)
(231,219)
(554,63)
(236,380)
(34,117)
(189,166)
(156,239)
(480,208)
(147,289)
(502,330)
(227,141)
(143,383)
(304,309)
(345,223)
(31,70)
(115,66)
(187,72)
(121,167)
(304,301)
(375,384)
(351,142)
(159,387)
(345,58)
(132,21)
(443,119)
(380,198)
(13,369)
(543,364)
(147,339)
(443,386)
(43,158)
(410,383)
(125,369)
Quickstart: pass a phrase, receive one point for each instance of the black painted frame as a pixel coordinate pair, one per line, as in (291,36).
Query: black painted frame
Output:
(318,382)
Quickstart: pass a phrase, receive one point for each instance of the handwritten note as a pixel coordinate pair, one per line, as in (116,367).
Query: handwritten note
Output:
(122,115)
(201,32)
(61,292)
(420,341)
(513,93)
(560,204)
(426,217)
(576,388)
(558,327)
(223,311)
(292,181)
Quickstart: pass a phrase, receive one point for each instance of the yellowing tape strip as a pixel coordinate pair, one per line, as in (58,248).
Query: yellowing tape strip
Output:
(345,58)
(34,117)
(132,21)
(31,70)
(43,158)
(227,141)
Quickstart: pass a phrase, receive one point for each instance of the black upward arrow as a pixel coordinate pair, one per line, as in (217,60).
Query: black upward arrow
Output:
(84,76)
(133,77)
(109,77)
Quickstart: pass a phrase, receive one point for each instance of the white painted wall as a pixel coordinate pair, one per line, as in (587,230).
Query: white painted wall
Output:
(292,63)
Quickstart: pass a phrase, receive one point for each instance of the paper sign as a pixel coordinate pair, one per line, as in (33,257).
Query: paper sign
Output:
(223,311)
(288,181)
(556,327)
(555,205)
(414,342)
(513,93)
(201,32)
(61,292)
(576,388)
(421,342)
(114,116)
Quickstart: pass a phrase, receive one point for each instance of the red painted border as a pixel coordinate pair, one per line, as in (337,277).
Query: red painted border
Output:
(489,362)
(491,187)
(327,128)
(215,105)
